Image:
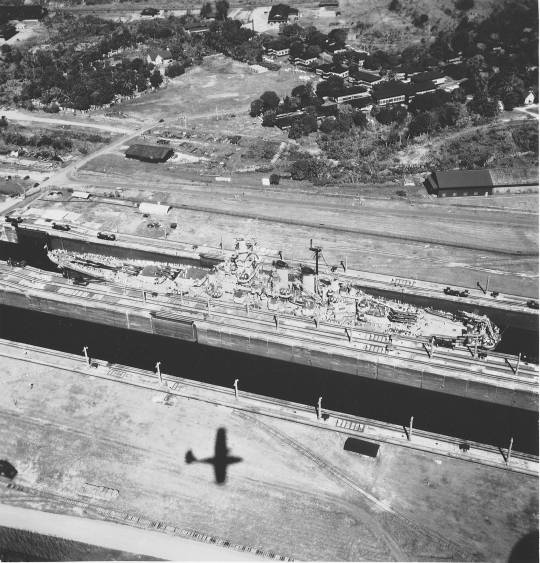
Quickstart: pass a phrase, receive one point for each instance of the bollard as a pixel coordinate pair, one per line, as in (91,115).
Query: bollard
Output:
(411,428)
(158,371)
(235,385)
(319,408)
(509,454)
(85,352)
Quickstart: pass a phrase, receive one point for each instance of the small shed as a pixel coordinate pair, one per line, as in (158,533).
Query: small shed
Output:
(149,153)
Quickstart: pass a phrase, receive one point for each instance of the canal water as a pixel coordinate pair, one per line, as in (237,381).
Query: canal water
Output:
(434,412)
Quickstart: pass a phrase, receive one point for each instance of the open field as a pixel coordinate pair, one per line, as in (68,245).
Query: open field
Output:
(218,84)
(406,504)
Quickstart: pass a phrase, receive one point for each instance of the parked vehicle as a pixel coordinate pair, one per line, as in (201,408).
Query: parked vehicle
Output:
(532,304)
(61,227)
(456,292)
(106,236)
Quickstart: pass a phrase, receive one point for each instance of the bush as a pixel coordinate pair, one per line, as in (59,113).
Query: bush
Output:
(424,122)
(274,179)
(175,70)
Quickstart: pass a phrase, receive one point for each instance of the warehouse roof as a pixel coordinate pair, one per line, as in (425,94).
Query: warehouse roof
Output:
(451,179)
(149,152)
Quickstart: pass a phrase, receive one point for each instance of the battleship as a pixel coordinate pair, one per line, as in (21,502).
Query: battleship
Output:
(320,294)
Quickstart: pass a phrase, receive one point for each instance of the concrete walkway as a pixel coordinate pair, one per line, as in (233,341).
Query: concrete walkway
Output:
(115,536)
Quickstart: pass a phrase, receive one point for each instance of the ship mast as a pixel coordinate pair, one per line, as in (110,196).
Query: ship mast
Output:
(317,250)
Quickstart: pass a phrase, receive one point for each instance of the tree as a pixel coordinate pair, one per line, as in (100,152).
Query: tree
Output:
(296,49)
(256,108)
(395,6)
(360,119)
(174,70)
(338,36)
(344,119)
(206,10)
(309,123)
(270,100)
(222,9)
(464,5)
(307,169)
(156,79)
(394,114)
(328,124)
(450,113)
(424,122)
(274,179)
(483,106)
(512,99)
(3,122)
(330,87)
(296,130)
(269,118)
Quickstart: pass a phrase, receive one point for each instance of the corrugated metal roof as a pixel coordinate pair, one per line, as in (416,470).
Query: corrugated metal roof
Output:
(450,179)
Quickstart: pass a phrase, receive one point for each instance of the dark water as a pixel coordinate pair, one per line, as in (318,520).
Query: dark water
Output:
(435,412)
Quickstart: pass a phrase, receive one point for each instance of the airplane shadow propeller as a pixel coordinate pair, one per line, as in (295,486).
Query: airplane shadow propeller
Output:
(221,459)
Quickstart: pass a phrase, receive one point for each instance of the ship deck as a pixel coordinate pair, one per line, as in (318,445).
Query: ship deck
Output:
(402,352)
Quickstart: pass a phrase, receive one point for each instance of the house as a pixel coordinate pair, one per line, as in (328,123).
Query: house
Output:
(327,108)
(529,99)
(285,120)
(352,93)
(327,70)
(368,79)
(392,93)
(282,14)
(159,56)
(364,104)
(421,88)
(277,48)
(452,183)
(150,12)
(149,153)
(436,76)
(304,60)
(329,4)
(195,28)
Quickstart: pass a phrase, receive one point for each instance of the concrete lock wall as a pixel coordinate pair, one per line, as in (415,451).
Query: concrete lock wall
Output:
(276,346)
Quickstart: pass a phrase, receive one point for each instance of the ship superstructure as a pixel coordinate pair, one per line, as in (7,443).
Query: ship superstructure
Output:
(242,277)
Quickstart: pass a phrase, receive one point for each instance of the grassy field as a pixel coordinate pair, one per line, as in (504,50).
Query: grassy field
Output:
(219,85)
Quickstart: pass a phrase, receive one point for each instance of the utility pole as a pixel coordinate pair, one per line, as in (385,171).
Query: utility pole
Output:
(235,385)
(319,408)
(85,352)
(158,371)
(411,428)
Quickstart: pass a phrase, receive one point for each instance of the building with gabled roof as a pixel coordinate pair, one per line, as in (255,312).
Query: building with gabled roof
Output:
(452,183)
(391,93)
(149,153)
(282,14)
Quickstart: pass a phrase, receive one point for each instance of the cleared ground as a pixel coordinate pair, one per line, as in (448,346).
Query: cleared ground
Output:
(64,431)
(218,84)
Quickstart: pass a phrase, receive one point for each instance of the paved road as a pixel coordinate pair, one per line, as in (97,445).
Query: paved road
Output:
(115,536)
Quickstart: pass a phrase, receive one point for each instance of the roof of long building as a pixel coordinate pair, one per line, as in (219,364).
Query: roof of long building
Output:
(450,179)
(151,152)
